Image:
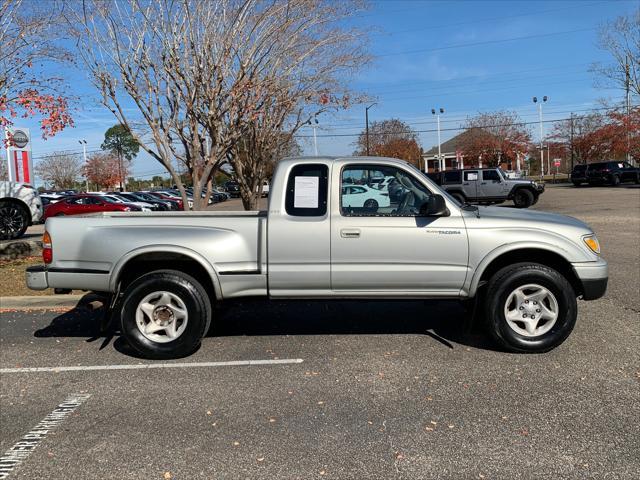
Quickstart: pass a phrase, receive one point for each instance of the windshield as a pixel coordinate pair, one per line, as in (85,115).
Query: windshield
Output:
(110,199)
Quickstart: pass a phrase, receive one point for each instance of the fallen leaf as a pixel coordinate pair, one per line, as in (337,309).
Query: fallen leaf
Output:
(167,476)
(428,429)
(322,472)
(260,459)
(208,412)
(433,423)
(235,444)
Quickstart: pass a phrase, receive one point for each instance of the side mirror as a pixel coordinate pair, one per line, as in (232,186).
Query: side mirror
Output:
(434,207)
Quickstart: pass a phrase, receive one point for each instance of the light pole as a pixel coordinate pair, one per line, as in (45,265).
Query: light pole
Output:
(83,142)
(441,164)
(314,125)
(366,120)
(535,100)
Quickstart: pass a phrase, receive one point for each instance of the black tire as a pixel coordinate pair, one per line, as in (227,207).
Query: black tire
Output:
(637,180)
(14,220)
(371,204)
(615,181)
(500,287)
(459,197)
(194,297)
(577,184)
(523,198)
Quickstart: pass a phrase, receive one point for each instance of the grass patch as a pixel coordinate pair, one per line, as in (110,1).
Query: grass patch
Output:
(12,277)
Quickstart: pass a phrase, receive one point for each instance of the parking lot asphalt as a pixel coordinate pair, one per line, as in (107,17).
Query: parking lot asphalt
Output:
(374,389)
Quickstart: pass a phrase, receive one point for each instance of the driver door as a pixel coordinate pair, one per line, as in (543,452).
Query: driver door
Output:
(391,249)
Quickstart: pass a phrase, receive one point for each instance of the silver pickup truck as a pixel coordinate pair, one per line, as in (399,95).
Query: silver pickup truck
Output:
(328,233)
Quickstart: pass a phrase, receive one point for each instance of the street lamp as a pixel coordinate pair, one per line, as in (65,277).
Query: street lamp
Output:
(83,142)
(366,119)
(314,125)
(535,100)
(441,163)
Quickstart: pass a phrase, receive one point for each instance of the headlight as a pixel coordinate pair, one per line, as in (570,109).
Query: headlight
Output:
(127,209)
(592,242)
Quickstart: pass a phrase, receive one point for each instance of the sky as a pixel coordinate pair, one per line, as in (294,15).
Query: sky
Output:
(463,56)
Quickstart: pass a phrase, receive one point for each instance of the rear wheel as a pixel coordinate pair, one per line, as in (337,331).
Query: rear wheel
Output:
(459,197)
(523,198)
(165,314)
(532,308)
(371,204)
(615,180)
(14,220)
(576,184)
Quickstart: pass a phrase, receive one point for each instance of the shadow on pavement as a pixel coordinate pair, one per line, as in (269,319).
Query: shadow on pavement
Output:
(447,322)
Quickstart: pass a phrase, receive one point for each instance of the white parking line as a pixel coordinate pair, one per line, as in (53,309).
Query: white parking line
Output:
(19,452)
(148,366)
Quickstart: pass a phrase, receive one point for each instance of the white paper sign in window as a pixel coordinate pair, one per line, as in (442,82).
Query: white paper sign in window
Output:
(472,176)
(306,192)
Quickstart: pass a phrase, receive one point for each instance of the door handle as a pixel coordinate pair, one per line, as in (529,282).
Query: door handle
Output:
(483,183)
(350,233)
(465,184)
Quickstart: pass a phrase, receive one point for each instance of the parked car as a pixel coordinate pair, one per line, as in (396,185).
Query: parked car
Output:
(612,173)
(579,174)
(20,206)
(147,197)
(175,195)
(85,204)
(132,197)
(527,267)
(362,196)
(265,188)
(116,197)
(166,196)
(232,188)
(488,186)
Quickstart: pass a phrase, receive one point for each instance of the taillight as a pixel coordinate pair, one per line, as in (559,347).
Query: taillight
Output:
(47,249)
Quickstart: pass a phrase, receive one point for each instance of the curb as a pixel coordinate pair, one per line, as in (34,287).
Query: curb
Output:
(45,302)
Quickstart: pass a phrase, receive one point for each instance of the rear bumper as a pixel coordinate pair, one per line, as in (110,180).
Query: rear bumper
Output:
(594,277)
(36,277)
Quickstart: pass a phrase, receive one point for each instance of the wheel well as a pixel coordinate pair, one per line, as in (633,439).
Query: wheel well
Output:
(148,262)
(533,255)
(459,192)
(21,204)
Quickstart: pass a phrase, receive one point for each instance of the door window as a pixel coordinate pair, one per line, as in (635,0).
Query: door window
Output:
(470,176)
(490,175)
(377,190)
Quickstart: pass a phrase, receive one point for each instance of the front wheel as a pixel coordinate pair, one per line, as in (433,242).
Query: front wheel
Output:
(531,309)
(165,314)
(523,198)
(615,181)
(459,197)
(14,220)
(371,204)
(576,184)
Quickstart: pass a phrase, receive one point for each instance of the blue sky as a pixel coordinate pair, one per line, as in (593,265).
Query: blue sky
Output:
(464,56)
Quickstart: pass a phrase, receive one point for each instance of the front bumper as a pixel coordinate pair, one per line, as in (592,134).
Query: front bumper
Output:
(37,277)
(594,277)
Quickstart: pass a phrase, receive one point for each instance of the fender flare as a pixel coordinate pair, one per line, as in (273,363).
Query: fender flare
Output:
(507,248)
(165,248)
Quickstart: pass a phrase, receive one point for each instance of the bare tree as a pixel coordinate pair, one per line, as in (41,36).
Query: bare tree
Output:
(27,46)
(59,169)
(621,38)
(495,137)
(202,74)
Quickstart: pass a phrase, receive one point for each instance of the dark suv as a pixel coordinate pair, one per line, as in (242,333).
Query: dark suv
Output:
(232,188)
(579,174)
(612,173)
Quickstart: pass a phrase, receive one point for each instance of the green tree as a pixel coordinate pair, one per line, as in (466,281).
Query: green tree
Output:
(119,141)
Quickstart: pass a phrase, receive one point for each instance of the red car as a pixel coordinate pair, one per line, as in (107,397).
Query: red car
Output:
(79,204)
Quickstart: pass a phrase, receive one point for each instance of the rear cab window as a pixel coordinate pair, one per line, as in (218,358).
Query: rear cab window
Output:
(307,194)
(491,175)
(452,176)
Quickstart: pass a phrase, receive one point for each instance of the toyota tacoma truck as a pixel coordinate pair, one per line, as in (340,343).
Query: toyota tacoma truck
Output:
(488,186)
(165,270)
